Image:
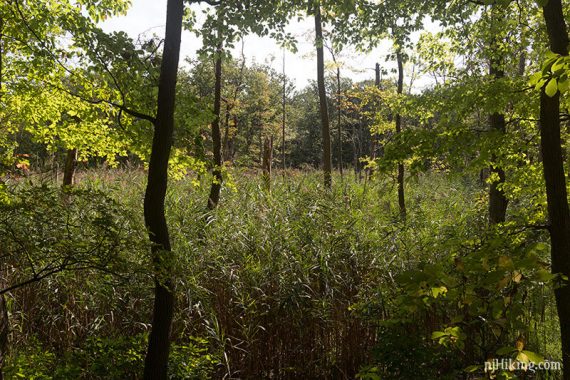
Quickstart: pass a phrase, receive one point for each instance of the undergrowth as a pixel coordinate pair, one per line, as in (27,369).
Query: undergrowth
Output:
(296,282)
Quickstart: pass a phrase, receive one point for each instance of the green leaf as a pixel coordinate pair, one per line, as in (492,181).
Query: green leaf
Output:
(522,357)
(439,290)
(505,350)
(533,356)
(558,64)
(551,88)
(534,78)
(438,334)
(472,368)
(544,275)
(563,85)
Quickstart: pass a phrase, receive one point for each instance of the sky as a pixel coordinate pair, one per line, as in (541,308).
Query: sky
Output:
(149,16)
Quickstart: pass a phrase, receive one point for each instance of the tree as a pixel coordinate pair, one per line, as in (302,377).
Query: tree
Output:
(4,330)
(216,186)
(323,108)
(156,360)
(338,109)
(4,326)
(398,121)
(497,199)
(553,164)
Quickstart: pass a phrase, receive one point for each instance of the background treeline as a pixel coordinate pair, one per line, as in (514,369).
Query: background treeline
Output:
(251,111)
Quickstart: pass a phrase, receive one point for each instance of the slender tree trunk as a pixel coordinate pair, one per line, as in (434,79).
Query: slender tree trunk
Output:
(4,323)
(232,145)
(401,196)
(361,137)
(325,126)
(497,200)
(227,153)
(214,196)
(354,152)
(69,169)
(4,330)
(556,194)
(267,159)
(284,116)
(338,121)
(156,360)
(373,135)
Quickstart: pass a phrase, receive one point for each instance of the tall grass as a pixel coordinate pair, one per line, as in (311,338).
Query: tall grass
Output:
(288,284)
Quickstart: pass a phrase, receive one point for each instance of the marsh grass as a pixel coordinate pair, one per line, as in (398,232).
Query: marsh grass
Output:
(288,284)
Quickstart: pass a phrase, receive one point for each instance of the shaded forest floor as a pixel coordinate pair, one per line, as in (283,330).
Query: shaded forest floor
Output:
(291,283)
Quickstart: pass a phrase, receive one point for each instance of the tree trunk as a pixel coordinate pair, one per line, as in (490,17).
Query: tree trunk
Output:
(156,360)
(69,169)
(497,199)
(232,144)
(284,116)
(556,194)
(4,325)
(325,127)
(401,196)
(214,196)
(267,159)
(373,135)
(354,151)
(4,330)
(338,121)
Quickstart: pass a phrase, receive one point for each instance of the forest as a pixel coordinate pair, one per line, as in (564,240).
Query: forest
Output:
(204,216)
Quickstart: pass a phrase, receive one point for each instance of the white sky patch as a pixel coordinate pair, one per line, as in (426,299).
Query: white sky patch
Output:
(149,16)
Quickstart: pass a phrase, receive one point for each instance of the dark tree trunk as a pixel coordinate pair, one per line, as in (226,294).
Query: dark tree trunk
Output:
(4,325)
(69,169)
(354,151)
(556,194)
(374,136)
(232,144)
(4,330)
(214,196)
(284,116)
(267,159)
(156,360)
(401,195)
(325,126)
(497,199)
(338,121)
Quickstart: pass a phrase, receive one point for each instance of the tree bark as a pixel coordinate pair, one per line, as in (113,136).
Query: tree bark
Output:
(325,125)
(4,323)
(69,169)
(338,121)
(497,200)
(556,194)
(156,360)
(4,330)
(374,136)
(401,195)
(284,116)
(354,155)
(267,159)
(216,186)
